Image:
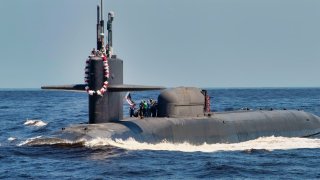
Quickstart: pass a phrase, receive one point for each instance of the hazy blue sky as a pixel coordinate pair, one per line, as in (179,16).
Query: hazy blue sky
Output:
(206,43)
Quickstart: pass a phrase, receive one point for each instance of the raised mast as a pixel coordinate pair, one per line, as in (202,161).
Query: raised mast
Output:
(109,28)
(100,28)
(98,25)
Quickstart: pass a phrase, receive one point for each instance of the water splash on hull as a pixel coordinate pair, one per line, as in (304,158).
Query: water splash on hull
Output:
(264,144)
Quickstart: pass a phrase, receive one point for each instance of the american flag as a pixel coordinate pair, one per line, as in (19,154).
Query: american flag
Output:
(128,98)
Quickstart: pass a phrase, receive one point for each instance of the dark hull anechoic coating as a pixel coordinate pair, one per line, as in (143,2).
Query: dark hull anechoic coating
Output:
(225,127)
(181,102)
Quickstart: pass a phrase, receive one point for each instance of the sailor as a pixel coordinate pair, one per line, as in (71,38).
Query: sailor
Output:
(100,44)
(141,109)
(98,53)
(131,110)
(154,108)
(149,107)
(93,52)
(145,108)
(107,50)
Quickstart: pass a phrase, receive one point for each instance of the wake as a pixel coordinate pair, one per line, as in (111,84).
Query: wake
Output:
(263,143)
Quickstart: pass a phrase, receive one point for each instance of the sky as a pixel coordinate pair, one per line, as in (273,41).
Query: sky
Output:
(203,43)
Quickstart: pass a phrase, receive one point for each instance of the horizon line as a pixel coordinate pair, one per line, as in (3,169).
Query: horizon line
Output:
(257,87)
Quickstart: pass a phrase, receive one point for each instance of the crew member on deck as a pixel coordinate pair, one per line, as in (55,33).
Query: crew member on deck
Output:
(145,108)
(132,108)
(93,52)
(100,44)
(153,108)
(141,109)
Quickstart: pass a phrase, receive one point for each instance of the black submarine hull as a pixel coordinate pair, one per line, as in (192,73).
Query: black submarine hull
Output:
(224,127)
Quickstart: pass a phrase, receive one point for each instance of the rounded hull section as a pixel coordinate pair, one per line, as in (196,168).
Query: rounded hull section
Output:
(227,127)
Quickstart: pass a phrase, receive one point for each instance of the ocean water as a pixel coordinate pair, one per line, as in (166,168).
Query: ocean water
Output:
(30,114)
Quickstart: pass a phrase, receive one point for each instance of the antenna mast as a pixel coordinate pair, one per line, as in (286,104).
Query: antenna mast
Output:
(109,27)
(102,21)
(100,28)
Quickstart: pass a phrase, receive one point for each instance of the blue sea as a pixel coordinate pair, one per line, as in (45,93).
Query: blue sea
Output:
(27,114)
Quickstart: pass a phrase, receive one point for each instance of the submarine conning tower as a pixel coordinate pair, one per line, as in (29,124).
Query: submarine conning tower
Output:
(105,107)
(108,107)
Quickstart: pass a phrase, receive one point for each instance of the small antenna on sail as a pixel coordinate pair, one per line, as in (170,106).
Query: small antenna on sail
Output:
(98,25)
(109,27)
(102,28)
(101,10)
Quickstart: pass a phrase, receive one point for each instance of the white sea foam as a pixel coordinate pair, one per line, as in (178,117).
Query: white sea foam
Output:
(37,123)
(264,143)
(12,139)
(29,140)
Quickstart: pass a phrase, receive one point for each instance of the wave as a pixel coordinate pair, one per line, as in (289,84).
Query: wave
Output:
(37,123)
(264,143)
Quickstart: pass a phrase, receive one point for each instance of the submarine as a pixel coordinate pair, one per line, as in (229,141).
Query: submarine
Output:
(183,113)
